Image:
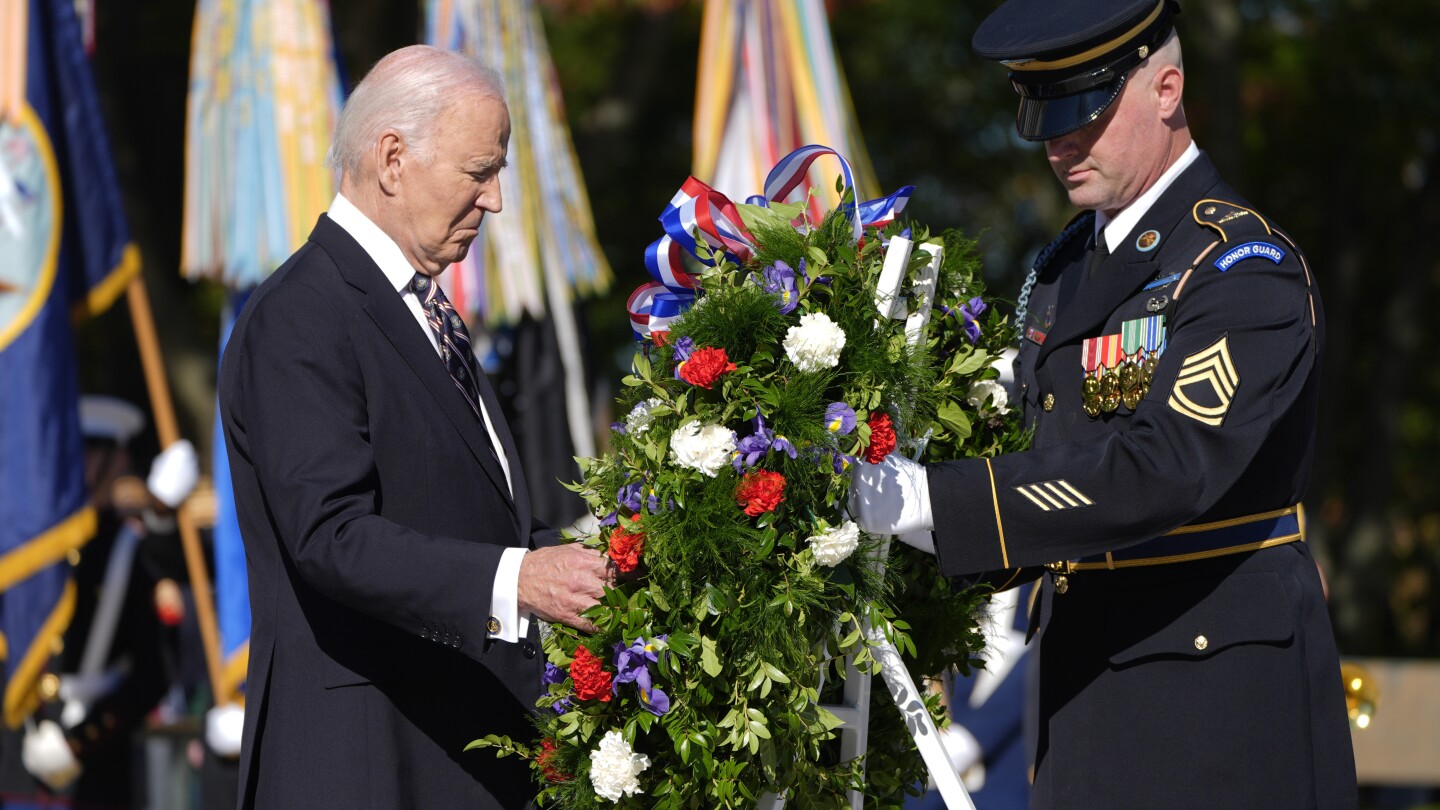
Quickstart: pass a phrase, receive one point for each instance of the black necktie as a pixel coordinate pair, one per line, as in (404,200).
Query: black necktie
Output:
(454,340)
(1099,252)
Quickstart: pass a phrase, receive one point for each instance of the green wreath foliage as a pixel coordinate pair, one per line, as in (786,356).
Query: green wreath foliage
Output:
(732,617)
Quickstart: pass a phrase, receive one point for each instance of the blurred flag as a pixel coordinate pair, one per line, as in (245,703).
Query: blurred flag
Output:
(68,254)
(769,83)
(263,98)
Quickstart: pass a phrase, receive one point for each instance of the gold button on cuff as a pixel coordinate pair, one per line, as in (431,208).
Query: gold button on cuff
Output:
(493,626)
(1049,403)
(1201,642)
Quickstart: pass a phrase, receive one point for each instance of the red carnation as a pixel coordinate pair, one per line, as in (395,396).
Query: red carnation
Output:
(592,682)
(626,547)
(705,367)
(546,761)
(760,492)
(882,438)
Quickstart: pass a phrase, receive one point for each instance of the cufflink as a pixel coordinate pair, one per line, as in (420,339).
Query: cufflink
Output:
(493,626)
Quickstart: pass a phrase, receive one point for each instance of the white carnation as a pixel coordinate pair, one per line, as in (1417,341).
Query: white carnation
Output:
(639,419)
(614,767)
(815,343)
(992,392)
(706,448)
(833,546)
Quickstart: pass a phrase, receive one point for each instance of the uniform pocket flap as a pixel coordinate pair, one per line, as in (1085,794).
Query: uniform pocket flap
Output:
(1198,618)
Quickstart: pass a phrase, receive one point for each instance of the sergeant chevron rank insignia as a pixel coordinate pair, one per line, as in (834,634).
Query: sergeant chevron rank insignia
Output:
(1206,384)
(1054,495)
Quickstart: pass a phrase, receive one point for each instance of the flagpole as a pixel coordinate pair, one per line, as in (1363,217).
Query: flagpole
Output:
(163,409)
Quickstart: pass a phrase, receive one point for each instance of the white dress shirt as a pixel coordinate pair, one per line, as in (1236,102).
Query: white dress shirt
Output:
(504,601)
(1118,228)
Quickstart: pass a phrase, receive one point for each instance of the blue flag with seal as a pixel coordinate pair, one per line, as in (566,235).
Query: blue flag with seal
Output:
(68,254)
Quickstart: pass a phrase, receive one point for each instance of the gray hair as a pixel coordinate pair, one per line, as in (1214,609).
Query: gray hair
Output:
(406,92)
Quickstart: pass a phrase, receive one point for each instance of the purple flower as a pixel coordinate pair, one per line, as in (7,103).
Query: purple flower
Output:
(841,462)
(629,497)
(610,519)
(632,665)
(780,444)
(556,675)
(839,418)
(618,427)
(970,313)
(779,280)
(682,348)
(752,448)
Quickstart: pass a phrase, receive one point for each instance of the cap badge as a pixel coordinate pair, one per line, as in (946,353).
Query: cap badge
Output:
(1147,241)
(1144,51)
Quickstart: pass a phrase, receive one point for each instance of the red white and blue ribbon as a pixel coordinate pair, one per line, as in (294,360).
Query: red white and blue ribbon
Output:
(699,209)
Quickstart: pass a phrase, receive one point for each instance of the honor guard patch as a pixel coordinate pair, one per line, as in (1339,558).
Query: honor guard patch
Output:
(1053,496)
(1206,384)
(1250,250)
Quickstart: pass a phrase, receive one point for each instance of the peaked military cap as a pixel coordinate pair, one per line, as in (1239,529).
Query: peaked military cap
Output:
(1068,59)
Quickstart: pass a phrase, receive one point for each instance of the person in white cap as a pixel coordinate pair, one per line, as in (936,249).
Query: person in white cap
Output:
(118,655)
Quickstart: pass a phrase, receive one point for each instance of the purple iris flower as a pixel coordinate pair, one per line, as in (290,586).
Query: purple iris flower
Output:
(682,347)
(611,519)
(780,444)
(752,448)
(555,675)
(779,280)
(632,665)
(841,462)
(970,313)
(839,418)
(629,497)
(619,427)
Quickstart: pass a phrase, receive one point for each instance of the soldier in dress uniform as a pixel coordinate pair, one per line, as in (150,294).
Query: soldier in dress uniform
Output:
(1169,365)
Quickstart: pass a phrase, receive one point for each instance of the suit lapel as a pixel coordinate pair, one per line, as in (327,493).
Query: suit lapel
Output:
(388,311)
(1128,268)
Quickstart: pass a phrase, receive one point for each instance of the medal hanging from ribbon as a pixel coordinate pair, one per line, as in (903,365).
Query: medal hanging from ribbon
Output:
(1120,367)
(698,211)
(1090,384)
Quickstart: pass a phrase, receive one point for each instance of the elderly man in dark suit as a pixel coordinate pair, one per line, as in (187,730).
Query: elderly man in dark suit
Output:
(1169,366)
(394,563)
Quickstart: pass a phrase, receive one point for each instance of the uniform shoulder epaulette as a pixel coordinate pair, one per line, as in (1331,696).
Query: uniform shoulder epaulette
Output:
(1229,219)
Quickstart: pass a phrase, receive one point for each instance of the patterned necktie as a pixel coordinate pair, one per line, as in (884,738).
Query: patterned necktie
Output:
(454,340)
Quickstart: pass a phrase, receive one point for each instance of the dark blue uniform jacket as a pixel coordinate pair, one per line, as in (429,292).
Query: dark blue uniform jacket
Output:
(1208,680)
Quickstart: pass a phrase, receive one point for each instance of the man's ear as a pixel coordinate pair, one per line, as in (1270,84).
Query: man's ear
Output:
(391,156)
(1169,90)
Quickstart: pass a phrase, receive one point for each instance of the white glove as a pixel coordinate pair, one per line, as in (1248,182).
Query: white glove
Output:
(919,540)
(223,728)
(174,473)
(47,756)
(892,497)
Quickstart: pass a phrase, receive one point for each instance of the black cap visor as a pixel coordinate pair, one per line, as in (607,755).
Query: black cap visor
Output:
(1041,118)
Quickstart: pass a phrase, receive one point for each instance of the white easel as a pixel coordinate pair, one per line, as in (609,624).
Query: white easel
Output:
(854,708)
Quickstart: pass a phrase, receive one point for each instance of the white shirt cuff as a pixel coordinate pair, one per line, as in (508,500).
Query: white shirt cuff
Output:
(505,599)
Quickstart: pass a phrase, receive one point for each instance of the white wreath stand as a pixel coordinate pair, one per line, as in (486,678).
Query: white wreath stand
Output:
(854,708)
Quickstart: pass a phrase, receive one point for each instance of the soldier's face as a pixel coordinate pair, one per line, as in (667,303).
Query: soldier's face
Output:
(1106,165)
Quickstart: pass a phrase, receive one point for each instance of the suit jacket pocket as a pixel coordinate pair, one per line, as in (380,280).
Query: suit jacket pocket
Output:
(1198,619)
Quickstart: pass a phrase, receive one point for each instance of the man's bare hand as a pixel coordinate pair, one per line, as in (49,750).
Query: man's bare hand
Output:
(559,583)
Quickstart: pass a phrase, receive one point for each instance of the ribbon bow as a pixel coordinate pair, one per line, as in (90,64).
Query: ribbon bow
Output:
(699,209)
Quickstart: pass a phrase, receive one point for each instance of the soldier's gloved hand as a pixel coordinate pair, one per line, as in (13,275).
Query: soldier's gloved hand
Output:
(223,727)
(48,757)
(892,497)
(174,473)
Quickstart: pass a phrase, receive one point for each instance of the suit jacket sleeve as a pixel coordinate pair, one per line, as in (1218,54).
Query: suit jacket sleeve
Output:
(300,418)
(1248,335)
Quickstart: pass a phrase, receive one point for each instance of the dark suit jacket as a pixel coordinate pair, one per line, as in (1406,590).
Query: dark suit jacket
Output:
(374,515)
(1202,683)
